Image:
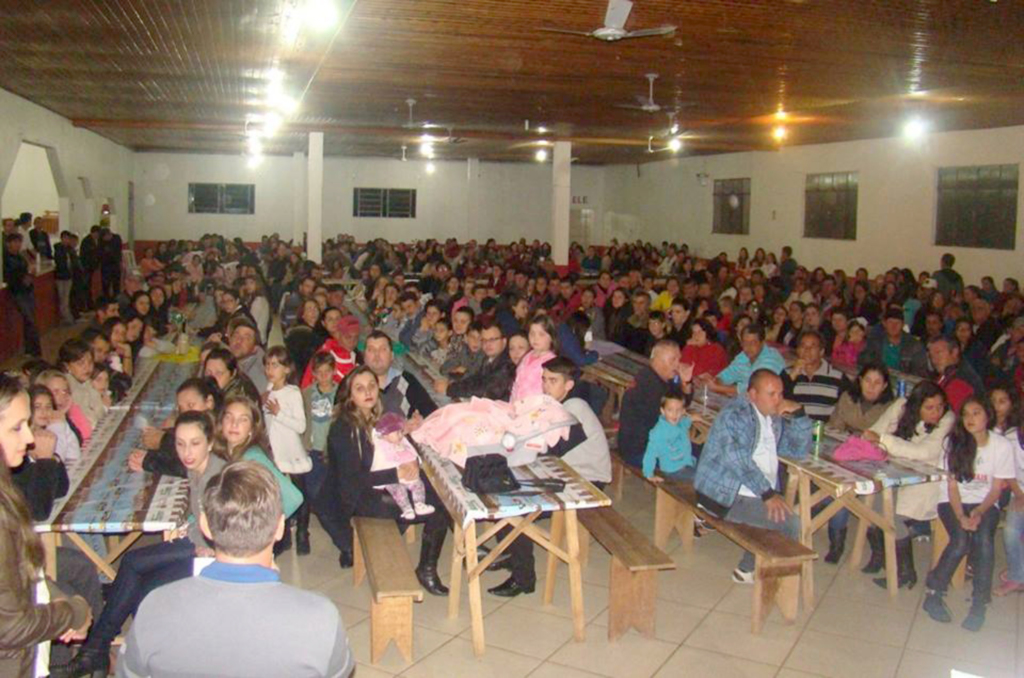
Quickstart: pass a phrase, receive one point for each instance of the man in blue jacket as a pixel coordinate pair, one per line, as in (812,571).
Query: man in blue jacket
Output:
(738,471)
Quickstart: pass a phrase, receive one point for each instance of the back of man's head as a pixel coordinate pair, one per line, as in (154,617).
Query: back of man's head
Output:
(242,506)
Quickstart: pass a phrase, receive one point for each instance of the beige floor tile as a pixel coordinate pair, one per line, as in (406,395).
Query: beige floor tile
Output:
(730,634)
(924,665)
(631,656)
(310,572)
(839,657)
(990,646)
(424,641)
(694,663)
(792,673)
(433,612)
(595,600)
(342,592)
(351,615)
(456,659)
(739,600)
(364,671)
(1001,614)
(851,619)
(692,587)
(861,588)
(549,670)
(672,622)
(526,631)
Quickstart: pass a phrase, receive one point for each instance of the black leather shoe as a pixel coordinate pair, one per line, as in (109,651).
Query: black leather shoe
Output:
(502,562)
(302,543)
(88,662)
(345,560)
(510,589)
(285,543)
(430,581)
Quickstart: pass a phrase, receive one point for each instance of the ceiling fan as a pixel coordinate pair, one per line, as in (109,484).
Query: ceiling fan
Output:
(614,25)
(647,105)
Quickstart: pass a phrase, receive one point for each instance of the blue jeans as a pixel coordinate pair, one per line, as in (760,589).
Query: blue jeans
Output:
(140,571)
(751,511)
(979,546)
(1013,540)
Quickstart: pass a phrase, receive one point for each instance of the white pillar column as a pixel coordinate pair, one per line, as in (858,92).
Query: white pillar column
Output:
(315,193)
(472,200)
(299,196)
(561,199)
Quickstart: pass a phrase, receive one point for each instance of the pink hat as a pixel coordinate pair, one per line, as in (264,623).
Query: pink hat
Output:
(390,422)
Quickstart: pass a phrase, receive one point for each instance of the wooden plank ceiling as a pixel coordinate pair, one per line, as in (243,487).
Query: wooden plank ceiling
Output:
(184,75)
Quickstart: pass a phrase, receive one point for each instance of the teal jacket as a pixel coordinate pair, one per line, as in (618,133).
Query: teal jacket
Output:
(668,447)
(291,498)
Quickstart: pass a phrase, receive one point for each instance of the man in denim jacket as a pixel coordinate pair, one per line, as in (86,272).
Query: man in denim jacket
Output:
(738,472)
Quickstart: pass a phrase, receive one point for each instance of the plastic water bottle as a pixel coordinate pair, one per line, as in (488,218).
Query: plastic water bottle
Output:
(819,431)
(704,409)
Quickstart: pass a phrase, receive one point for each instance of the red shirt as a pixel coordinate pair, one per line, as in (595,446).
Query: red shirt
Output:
(710,358)
(344,362)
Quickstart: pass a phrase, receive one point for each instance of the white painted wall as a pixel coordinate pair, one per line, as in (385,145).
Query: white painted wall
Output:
(896,202)
(79,153)
(500,200)
(30,186)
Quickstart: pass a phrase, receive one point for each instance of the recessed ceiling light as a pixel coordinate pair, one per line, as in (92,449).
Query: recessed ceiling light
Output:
(541,155)
(675,144)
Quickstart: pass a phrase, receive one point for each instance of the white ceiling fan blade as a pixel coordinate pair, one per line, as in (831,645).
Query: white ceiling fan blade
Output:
(617,13)
(647,32)
(562,30)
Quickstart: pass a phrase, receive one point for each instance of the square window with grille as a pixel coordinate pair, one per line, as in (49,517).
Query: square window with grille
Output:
(392,203)
(222,198)
(977,206)
(732,206)
(830,206)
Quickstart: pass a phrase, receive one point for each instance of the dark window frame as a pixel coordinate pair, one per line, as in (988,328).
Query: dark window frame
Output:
(976,206)
(384,203)
(221,198)
(830,205)
(726,219)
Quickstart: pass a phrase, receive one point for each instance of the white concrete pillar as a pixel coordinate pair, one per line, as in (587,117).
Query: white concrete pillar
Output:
(315,192)
(299,196)
(561,200)
(472,199)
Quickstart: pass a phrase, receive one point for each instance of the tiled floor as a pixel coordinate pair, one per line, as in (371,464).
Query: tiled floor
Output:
(703,624)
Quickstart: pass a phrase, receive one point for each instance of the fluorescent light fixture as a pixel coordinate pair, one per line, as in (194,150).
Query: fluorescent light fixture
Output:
(321,15)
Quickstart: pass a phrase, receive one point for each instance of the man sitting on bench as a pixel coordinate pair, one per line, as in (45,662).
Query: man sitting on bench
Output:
(586,451)
(738,471)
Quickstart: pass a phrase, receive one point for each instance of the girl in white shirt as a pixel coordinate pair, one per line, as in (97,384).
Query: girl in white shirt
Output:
(979,462)
(1009,414)
(286,422)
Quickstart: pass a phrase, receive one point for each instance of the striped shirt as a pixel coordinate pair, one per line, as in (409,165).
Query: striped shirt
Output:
(819,393)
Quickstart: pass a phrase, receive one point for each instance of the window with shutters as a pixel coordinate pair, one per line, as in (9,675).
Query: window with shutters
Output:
(977,206)
(732,206)
(830,206)
(392,203)
(222,198)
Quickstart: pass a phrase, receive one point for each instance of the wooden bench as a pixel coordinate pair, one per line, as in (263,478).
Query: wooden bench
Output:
(779,562)
(379,551)
(698,435)
(633,581)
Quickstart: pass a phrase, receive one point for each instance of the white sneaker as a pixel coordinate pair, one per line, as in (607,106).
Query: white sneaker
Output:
(423,509)
(408,514)
(741,577)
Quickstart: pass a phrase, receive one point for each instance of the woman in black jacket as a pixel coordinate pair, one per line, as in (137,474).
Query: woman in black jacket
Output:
(350,487)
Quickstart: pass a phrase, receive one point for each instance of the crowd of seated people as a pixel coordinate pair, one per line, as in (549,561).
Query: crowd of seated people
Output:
(789,345)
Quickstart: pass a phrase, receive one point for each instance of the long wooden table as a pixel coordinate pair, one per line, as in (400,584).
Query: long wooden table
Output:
(520,513)
(616,370)
(105,496)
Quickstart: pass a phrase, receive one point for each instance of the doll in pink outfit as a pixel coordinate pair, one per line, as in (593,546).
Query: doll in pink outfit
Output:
(392,450)
(543,347)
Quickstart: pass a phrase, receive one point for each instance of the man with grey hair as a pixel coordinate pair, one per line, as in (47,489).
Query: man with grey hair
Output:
(641,405)
(236,618)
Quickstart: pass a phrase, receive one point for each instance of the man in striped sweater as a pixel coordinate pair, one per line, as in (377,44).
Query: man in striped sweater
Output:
(811,380)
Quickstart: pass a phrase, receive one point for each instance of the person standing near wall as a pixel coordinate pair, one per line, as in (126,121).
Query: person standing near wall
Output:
(89,254)
(63,252)
(110,262)
(18,277)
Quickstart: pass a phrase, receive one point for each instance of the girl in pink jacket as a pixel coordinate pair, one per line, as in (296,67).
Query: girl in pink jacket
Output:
(543,347)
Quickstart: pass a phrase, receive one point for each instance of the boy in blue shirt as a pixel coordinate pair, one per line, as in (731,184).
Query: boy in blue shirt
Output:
(668,444)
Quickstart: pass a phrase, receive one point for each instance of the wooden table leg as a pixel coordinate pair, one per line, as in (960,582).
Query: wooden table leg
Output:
(49,540)
(473,583)
(940,539)
(889,511)
(455,581)
(807,539)
(572,538)
(102,565)
(557,531)
(859,537)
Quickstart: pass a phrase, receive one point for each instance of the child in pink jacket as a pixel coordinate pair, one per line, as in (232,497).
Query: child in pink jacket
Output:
(543,347)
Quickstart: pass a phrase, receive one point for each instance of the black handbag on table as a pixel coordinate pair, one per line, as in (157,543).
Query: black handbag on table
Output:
(489,474)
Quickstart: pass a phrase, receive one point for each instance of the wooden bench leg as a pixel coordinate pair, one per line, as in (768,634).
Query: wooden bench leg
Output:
(584,546)
(615,487)
(774,585)
(410,535)
(391,620)
(631,600)
(358,564)
(668,514)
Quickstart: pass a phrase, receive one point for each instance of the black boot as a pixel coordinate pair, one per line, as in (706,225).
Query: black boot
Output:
(302,530)
(906,573)
(285,542)
(430,551)
(89,662)
(836,545)
(876,539)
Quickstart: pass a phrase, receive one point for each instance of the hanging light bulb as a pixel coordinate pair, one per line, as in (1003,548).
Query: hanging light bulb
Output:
(541,155)
(780,133)
(675,144)
(430,168)
(915,129)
